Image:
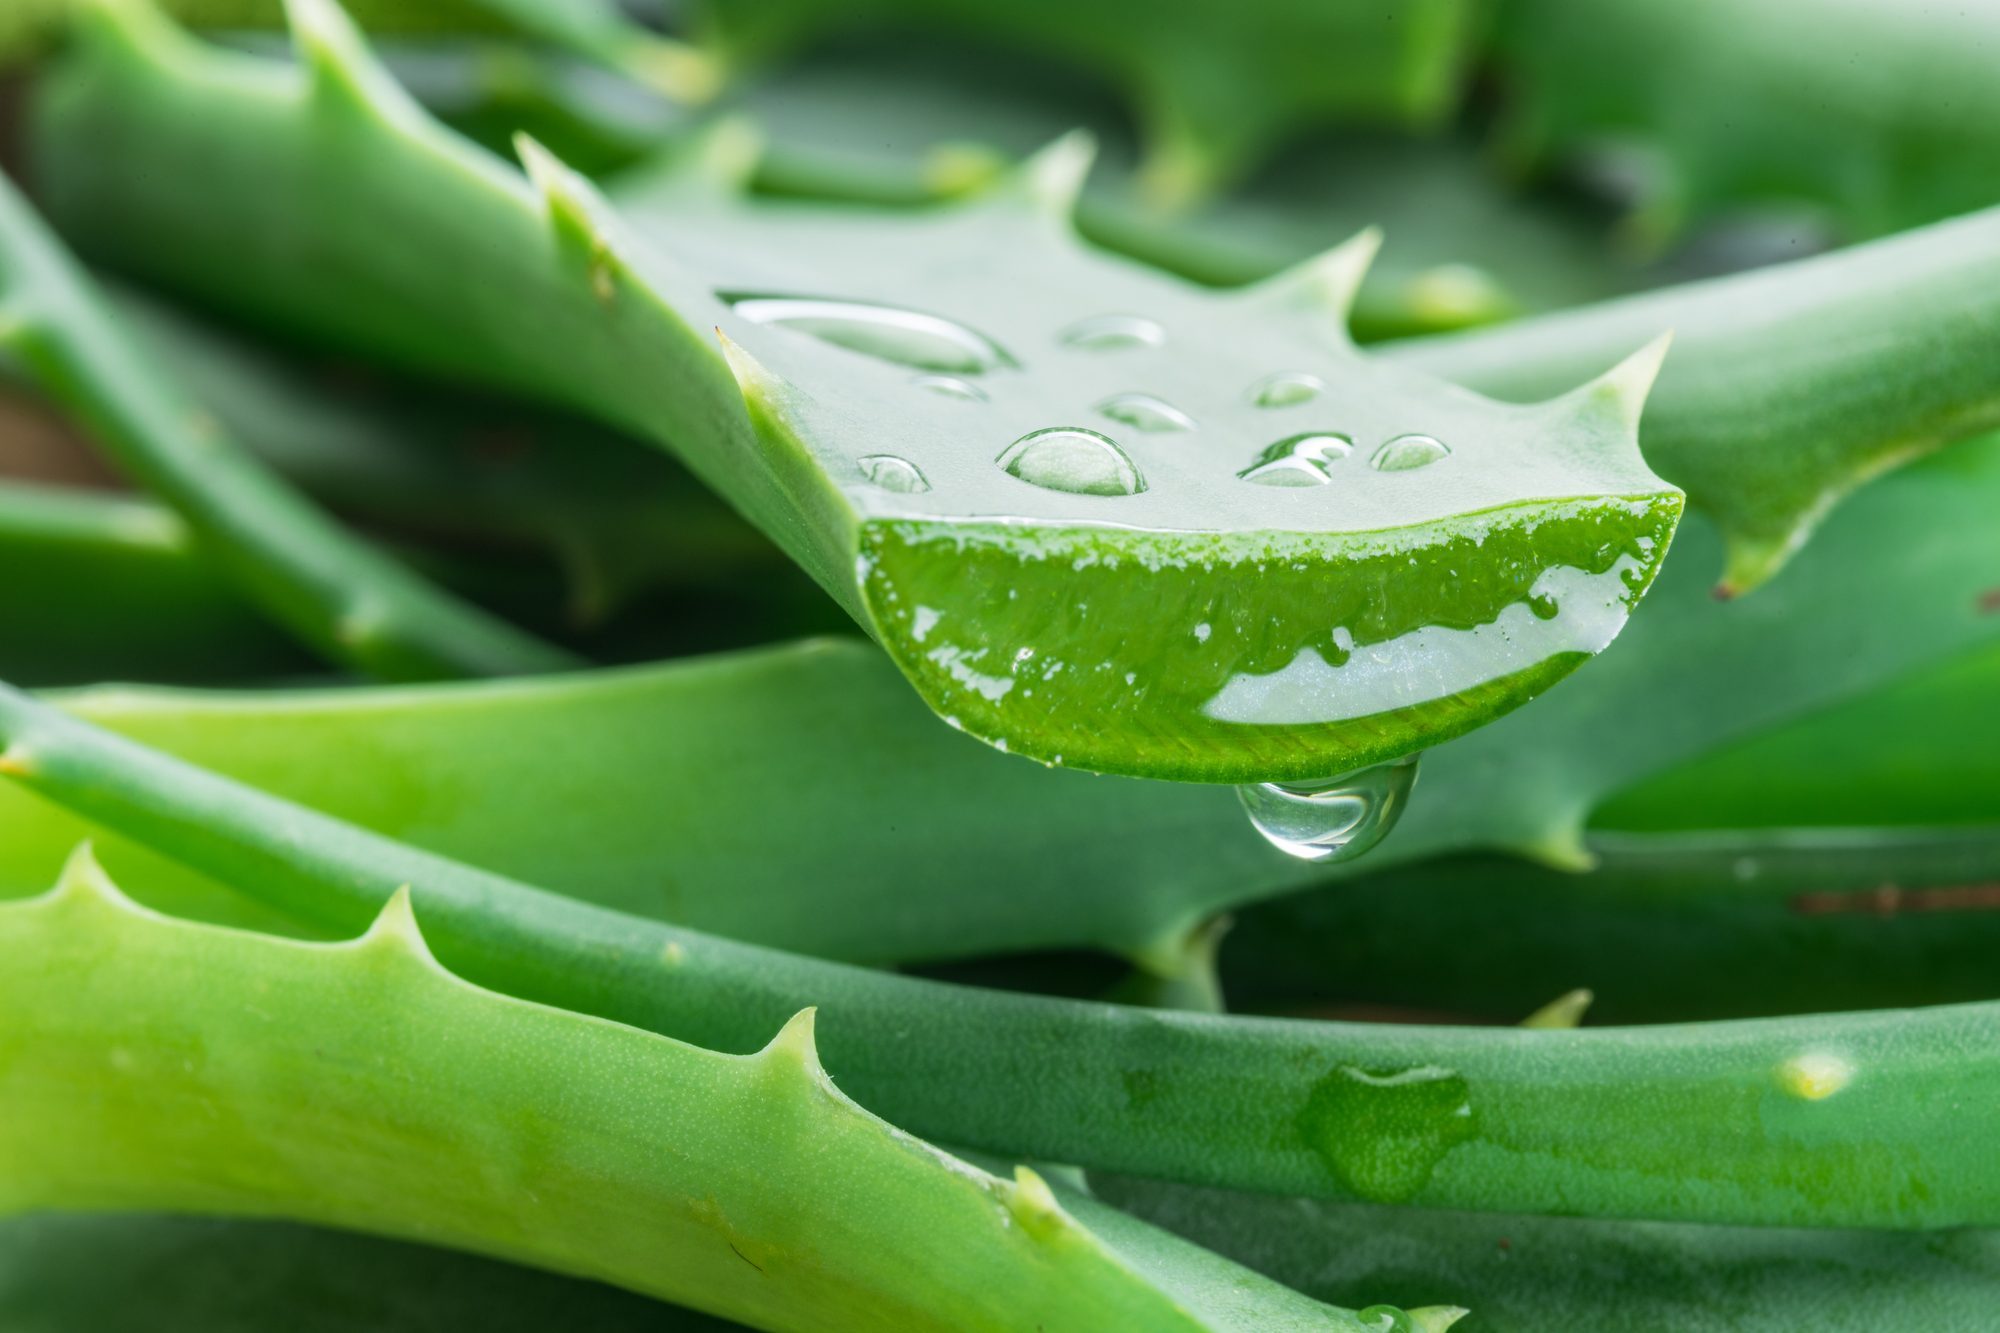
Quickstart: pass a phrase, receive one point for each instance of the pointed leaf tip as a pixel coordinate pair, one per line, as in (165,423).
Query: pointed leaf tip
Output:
(757,384)
(797,1042)
(1327,282)
(395,928)
(84,881)
(1626,386)
(1048,181)
(344,69)
(1032,1203)
(15,762)
(1565,1011)
(1436,1318)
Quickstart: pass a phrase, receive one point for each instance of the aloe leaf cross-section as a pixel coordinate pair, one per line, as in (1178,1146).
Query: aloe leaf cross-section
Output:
(1096,515)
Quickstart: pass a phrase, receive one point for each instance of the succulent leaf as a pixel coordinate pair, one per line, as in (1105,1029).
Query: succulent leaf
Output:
(734,743)
(1215,88)
(1526,1274)
(361,1084)
(1443,1116)
(1789,386)
(346,600)
(1870,112)
(1113,599)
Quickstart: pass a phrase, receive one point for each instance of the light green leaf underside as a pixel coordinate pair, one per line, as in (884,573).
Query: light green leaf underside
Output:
(361,1085)
(1232,606)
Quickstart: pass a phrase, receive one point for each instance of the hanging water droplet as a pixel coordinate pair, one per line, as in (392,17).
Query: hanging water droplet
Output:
(951,386)
(1146,412)
(1070,458)
(894,474)
(1298,460)
(1406,452)
(890,333)
(1286,388)
(1104,333)
(1333,819)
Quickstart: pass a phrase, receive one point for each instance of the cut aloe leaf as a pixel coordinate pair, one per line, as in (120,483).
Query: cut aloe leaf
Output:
(360,1084)
(1050,578)
(1215,88)
(1887,604)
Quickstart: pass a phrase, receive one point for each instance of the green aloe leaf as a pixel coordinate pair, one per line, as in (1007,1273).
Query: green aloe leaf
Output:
(1875,114)
(102,586)
(1668,927)
(1887,607)
(360,1084)
(337,594)
(1534,1274)
(1590,1121)
(988,465)
(1926,750)
(1215,89)
(1789,386)
(621,518)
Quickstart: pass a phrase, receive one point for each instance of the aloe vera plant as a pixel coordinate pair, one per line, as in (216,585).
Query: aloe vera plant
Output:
(743,981)
(961,457)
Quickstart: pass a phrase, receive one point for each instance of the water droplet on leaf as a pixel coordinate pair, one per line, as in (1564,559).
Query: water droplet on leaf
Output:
(951,386)
(1383,1134)
(1298,460)
(1286,388)
(894,474)
(1333,819)
(1104,333)
(1408,451)
(1146,412)
(1385,1319)
(889,333)
(1070,458)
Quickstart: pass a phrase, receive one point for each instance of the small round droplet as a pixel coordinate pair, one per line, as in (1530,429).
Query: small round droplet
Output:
(1146,412)
(951,386)
(889,333)
(1333,819)
(894,474)
(1070,458)
(1286,388)
(1543,606)
(1406,452)
(1105,333)
(1384,1319)
(1298,460)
